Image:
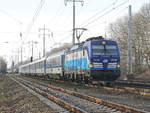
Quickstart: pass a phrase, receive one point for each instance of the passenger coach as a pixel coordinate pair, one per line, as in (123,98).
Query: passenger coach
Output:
(34,68)
(55,65)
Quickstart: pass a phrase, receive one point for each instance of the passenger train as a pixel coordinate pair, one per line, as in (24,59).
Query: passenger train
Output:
(94,59)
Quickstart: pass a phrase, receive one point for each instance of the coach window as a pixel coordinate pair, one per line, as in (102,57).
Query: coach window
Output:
(52,61)
(59,61)
(83,53)
(42,64)
(49,62)
(55,61)
(77,54)
(39,64)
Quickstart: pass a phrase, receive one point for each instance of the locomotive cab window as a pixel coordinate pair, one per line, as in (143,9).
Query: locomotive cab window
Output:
(104,50)
(98,50)
(111,50)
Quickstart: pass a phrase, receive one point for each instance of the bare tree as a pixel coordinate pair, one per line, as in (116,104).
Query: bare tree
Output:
(3,65)
(119,32)
(141,39)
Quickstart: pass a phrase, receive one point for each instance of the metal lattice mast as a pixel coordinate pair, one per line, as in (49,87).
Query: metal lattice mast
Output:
(44,34)
(130,70)
(74,16)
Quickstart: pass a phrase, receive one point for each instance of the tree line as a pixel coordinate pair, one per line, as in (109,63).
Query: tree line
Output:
(3,65)
(140,39)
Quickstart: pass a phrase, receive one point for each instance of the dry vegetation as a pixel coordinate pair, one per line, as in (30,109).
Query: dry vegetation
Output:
(15,99)
(143,77)
(140,42)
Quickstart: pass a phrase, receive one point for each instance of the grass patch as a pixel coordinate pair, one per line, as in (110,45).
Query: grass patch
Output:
(5,97)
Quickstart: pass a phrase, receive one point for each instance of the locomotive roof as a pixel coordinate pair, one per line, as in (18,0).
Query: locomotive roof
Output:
(93,39)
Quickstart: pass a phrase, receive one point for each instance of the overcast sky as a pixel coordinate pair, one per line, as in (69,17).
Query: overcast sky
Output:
(16,16)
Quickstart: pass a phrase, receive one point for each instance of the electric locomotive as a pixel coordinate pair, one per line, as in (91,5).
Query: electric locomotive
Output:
(95,59)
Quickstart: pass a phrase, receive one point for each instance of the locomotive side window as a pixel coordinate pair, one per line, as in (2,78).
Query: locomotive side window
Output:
(83,53)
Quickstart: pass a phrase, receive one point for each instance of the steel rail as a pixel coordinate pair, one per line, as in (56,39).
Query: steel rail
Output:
(132,84)
(54,99)
(96,100)
(138,91)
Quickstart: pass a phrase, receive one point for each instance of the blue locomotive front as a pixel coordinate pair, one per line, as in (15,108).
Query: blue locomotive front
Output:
(96,59)
(104,60)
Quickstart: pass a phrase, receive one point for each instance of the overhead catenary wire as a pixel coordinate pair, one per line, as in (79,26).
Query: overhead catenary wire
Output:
(55,20)
(58,19)
(34,19)
(91,21)
(123,9)
(97,13)
(11,16)
(66,37)
(58,12)
(112,4)
(91,25)
(63,39)
(30,25)
(67,18)
(93,16)
(16,20)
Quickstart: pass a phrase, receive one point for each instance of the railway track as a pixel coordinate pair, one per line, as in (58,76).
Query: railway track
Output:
(76,102)
(139,88)
(139,91)
(118,86)
(133,84)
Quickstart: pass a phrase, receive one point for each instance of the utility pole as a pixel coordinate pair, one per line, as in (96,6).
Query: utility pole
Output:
(44,34)
(32,48)
(32,51)
(33,42)
(130,70)
(21,42)
(21,45)
(74,14)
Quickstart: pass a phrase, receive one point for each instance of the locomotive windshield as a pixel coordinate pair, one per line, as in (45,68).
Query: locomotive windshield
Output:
(104,50)
(111,49)
(98,49)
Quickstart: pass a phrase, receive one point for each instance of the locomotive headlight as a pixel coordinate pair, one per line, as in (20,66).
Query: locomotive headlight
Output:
(103,42)
(118,66)
(91,64)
